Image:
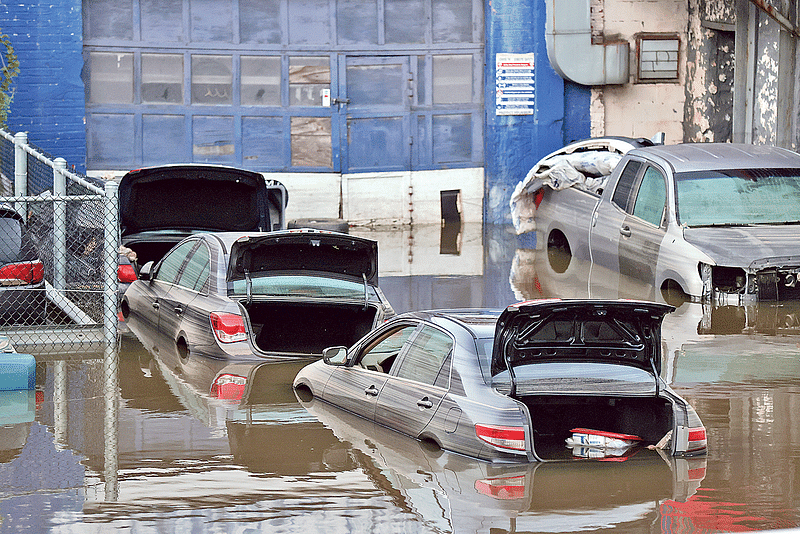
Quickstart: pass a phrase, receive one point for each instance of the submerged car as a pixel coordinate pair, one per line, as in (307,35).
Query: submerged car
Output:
(717,222)
(159,206)
(22,287)
(262,295)
(525,384)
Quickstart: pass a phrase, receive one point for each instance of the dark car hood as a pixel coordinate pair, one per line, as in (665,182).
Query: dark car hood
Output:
(739,246)
(197,197)
(614,331)
(306,251)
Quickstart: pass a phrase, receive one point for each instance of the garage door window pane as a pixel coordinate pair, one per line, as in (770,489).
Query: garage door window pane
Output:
(162,79)
(162,20)
(212,21)
(311,142)
(111,79)
(308,76)
(405,21)
(211,80)
(261,81)
(452,21)
(260,21)
(213,140)
(452,79)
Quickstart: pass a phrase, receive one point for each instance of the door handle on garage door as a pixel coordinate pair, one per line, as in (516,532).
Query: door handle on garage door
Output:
(625,231)
(424,402)
(372,391)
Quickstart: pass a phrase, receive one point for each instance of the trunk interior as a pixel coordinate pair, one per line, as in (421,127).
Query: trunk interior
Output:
(307,328)
(151,251)
(554,417)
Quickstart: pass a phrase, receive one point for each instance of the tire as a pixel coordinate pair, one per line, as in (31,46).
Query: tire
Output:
(333,225)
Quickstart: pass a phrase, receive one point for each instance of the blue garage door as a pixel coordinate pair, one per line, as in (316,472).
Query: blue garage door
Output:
(313,86)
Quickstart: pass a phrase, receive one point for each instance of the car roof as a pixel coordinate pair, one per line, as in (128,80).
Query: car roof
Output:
(688,157)
(480,321)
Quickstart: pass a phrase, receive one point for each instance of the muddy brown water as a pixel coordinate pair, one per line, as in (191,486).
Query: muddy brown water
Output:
(141,445)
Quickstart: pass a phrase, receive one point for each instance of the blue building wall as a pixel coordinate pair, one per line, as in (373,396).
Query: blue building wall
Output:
(514,143)
(49,99)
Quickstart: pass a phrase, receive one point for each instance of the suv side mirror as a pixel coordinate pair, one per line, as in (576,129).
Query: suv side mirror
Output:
(335,355)
(146,271)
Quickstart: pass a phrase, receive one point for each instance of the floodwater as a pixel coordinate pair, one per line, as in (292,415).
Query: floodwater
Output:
(143,446)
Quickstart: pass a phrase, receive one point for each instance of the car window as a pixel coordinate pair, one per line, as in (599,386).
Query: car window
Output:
(10,240)
(172,262)
(424,361)
(622,193)
(651,197)
(197,271)
(380,354)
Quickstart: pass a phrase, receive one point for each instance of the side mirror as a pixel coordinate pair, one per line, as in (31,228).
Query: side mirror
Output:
(335,355)
(146,271)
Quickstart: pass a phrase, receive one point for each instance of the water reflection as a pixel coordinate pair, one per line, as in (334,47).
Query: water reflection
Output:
(146,441)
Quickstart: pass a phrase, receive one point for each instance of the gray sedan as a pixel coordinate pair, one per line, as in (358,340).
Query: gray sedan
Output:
(541,380)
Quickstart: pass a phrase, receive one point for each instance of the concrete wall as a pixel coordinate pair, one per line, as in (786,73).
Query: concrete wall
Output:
(49,98)
(642,109)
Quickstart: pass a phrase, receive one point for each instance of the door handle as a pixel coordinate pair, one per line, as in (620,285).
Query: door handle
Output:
(625,231)
(178,310)
(340,100)
(156,305)
(372,391)
(424,402)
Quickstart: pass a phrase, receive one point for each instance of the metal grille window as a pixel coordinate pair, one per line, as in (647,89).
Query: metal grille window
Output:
(658,57)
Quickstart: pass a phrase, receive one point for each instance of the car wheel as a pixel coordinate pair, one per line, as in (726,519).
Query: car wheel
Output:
(558,252)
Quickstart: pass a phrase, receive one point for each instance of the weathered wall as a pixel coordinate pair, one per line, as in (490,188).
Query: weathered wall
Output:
(49,99)
(642,109)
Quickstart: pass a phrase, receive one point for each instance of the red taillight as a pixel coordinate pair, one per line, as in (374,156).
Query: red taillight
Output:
(228,387)
(126,273)
(697,439)
(502,488)
(228,327)
(17,274)
(505,437)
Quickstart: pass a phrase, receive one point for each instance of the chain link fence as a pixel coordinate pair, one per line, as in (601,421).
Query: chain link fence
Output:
(59,239)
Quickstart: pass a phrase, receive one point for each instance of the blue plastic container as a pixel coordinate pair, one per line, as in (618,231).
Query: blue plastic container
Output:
(17,371)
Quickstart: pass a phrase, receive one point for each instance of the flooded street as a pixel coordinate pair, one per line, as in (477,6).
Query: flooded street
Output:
(153,444)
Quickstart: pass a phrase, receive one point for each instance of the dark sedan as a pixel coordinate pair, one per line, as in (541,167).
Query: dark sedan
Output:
(262,295)
(541,380)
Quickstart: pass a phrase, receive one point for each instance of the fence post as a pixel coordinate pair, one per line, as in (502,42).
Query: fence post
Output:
(20,170)
(110,252)
(59,224)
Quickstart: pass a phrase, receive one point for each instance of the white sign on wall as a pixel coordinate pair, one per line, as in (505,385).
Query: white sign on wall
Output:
(515,89)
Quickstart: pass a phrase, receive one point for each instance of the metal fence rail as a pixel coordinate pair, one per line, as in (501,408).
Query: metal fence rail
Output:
(59,239)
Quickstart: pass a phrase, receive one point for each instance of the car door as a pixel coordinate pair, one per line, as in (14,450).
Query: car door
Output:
(606,228)
(356,387)
(417,382)
(177,310)
(641,235)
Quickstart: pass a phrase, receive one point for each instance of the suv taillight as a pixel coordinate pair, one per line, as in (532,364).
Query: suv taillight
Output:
(126,273)
(228,327)
(505,437)
(17,274)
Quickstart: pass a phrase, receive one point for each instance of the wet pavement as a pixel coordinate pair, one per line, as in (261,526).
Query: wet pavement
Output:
(148,444)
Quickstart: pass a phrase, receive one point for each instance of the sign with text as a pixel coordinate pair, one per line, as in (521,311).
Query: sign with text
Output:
(515,88)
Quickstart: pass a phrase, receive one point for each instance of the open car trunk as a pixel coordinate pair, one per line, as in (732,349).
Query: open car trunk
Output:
(303,328)
(554,417)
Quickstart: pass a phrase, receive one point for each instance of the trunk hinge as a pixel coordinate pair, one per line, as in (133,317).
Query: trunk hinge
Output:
(248,282)
(366,291)
(511,376)
(655,373)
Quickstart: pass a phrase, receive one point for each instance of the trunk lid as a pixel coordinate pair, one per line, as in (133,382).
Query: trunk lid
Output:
(197,197)
(306,252)
(579,331)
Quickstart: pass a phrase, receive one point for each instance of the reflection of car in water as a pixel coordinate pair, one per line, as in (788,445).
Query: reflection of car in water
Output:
(675,217)
(513,386)
(263,296)
(475,496)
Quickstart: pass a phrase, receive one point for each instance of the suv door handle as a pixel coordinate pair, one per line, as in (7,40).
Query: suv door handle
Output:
(372,391)
(625,231)
(424,402)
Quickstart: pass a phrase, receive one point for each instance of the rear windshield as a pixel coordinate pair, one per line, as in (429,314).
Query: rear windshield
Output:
(303,287)
(10,240)
(738,197)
